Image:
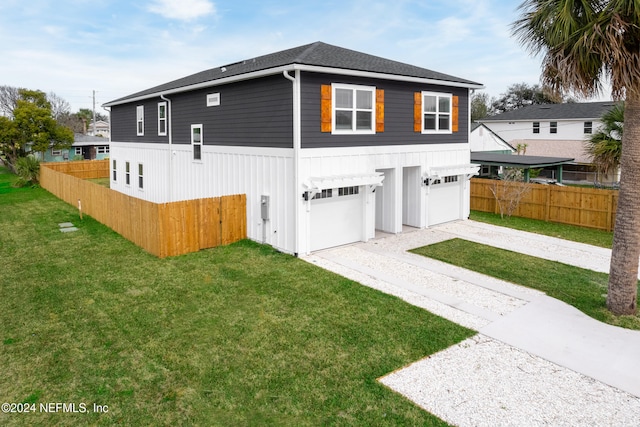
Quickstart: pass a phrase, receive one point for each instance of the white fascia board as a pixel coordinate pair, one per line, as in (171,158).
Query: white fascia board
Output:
(281,69)
(452,170)
(374,75)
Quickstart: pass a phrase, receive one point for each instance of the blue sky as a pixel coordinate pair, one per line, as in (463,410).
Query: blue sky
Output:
(72,47)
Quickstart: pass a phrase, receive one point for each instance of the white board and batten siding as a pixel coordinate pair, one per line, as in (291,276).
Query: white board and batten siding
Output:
(221,171)
(402,198)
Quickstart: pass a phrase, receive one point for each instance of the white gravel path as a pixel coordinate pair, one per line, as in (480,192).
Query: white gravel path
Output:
(482,381)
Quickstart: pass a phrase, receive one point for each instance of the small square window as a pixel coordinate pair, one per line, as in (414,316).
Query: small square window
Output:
(78,151)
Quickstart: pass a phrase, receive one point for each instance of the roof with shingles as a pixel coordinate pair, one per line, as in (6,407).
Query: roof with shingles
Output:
(568,111)
(314,54)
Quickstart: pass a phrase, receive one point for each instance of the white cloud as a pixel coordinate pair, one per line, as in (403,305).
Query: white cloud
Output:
(183,10)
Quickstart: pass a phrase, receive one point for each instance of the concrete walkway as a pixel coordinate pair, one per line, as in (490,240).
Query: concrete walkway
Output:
(522,318)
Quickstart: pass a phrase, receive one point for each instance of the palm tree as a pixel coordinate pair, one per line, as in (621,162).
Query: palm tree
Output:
(605,146)
(582,42)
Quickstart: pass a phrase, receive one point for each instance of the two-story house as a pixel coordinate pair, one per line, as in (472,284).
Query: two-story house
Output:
(556,130)
(328,144)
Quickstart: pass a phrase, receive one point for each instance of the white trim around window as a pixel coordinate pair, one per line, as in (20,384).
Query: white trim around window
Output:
(140,120)
(162,118)
(196,141)
(437,112)
(353,109)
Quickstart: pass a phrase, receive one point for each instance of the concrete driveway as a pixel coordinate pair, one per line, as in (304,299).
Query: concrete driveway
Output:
(535,361)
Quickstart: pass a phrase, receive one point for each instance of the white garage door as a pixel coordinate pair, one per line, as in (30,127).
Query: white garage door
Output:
(444,200)
(336,218)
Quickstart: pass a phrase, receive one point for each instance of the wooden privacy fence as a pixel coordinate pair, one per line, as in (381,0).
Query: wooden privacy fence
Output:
(163,229)
(585,207)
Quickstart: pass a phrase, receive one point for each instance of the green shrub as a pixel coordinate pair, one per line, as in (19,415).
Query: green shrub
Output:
(27,169)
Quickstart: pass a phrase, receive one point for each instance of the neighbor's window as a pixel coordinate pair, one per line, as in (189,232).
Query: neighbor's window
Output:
(140,176)
(56,152)
(103,149)
(114,170)
(553,127)
(196,141)
(436,112)
(162,118)
(536,127)
(588,127)
(78,151)
(140,120)
(353,108)
(127,174)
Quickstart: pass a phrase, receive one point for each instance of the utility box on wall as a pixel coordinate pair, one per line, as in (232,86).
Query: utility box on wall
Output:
(264,206)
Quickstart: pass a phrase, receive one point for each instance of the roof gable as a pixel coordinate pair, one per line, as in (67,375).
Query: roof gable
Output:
(316,54)
(568,111)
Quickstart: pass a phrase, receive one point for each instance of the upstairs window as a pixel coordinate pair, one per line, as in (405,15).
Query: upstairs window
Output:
(436,112)
(196,141)
(536,127)
(140,120)
(553,127)
(354,109)
(127,173)
(588,128)
(162,119)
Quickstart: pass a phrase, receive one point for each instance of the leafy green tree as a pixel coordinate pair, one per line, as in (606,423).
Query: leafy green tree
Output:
(36,125)
(605,146)
(582,43)
(10,144)
(479,106)
(520,95)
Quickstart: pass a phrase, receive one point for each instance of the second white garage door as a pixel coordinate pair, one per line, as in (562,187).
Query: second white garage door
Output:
(337,217)
(444,201)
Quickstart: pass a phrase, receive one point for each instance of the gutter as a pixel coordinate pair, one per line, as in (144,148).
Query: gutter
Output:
(170,135)
(297,137)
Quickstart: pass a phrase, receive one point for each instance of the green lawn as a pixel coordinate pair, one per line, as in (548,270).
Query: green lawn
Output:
(238,335)
(584,289)
(563,231)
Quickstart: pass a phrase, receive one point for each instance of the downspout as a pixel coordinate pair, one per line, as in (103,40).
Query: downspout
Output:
(170,135)
(296,156)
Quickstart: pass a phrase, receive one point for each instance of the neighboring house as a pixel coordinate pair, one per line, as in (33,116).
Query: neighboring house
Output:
(483,139)
(556,130)
(84,147)
(328,144)
(101,129)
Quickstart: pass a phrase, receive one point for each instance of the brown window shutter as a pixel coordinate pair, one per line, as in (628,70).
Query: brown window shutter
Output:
(454,114)
(379,110)
(417,112)
(325,108)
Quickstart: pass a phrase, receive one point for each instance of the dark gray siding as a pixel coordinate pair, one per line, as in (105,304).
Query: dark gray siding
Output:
(254,113)
(398,110)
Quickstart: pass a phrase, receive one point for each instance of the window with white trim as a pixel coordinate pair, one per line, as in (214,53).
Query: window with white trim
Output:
(196,141)
(78,151)
(353,109)
(103,149)
(553,127)
(162,118)
(127,173)
(436,112)
(140,176)
(55,152)
(588,127)
(348,191)
(140,120)
(114,170)
(536,127)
